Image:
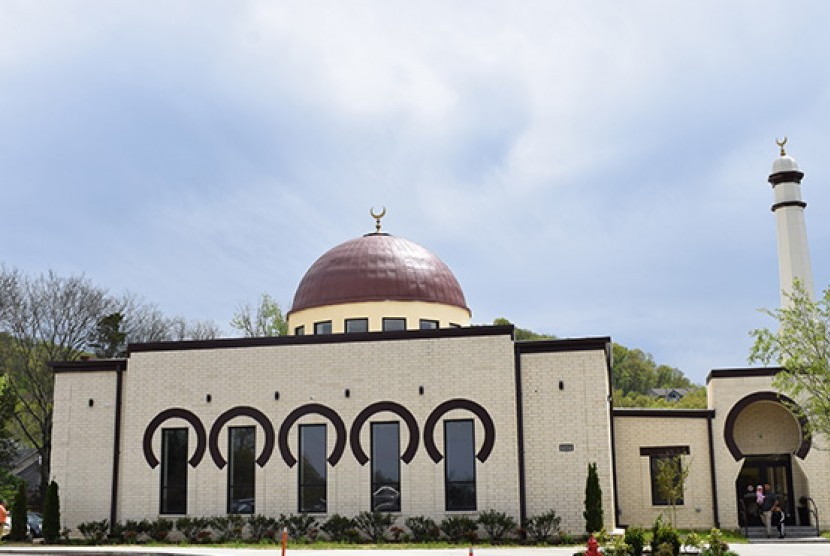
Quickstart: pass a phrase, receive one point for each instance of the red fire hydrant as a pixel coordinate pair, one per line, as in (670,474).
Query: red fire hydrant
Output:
(593,547)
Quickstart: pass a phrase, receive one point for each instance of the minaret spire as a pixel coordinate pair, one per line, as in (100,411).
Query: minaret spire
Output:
(793,252)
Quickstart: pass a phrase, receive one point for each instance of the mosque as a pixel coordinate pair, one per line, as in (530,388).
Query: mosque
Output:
(384,397)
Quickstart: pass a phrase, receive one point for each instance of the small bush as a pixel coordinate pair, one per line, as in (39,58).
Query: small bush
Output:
(337,527)
(617,547)
(717,547)
(460,528)
(541,527)
(261,527)
(423,529)
(192,527)
(159,529)
(374,524)
(94,532)
(636,539)
(300,526)
(663,533)
(496,524)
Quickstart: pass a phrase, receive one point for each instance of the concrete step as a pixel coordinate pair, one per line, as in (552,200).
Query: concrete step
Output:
(794,533)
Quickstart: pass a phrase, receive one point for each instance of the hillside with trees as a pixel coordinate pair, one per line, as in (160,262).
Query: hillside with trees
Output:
(635,376)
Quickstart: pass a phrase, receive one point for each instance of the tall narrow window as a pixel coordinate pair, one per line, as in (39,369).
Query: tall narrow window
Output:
(173,471)
(666,480)
(313,468)
(386,467)
(459,465)
(242,452)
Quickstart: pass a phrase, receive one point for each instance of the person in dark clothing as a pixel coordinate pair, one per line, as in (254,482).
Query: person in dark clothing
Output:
(777,519)
(766,508)
(750,505)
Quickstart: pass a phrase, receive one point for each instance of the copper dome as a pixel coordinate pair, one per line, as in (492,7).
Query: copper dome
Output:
(377,267)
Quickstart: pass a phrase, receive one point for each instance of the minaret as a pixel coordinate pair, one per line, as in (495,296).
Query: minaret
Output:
(793,253)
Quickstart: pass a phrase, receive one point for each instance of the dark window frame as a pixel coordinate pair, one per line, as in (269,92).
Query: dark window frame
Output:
(347,322)
(432,324)
(393,319)
(234,486)
(375,484)
(166,486)
(653,459)
(320,324)
(302,482)
(299,330)
(451,504)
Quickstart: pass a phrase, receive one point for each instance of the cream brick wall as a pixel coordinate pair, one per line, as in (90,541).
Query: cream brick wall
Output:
(82,444)
(810,475)
(579,414)
(634,476)
(478,368)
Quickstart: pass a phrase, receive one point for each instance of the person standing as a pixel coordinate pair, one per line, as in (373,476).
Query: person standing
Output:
(750,505)
(766,508)
(778,516)
(4,515)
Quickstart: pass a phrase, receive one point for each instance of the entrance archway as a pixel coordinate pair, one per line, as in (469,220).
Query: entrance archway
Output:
(761,430)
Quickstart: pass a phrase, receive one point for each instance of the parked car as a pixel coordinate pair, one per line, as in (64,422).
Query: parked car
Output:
(34,523)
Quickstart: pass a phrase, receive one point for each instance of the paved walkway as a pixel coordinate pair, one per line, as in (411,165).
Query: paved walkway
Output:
(775,549)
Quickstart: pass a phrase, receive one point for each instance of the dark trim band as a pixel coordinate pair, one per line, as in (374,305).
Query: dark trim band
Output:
(785,204)
(743,373)
(660,412)
(664,451)
(397,409)
(785,177)
(568,344)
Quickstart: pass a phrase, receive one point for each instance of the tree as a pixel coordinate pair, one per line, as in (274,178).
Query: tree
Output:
(52,514)
(593,513)
(48,318)
(108,340)
(801,346)
(266,320)
(523,334)
(19,511)
(671,475)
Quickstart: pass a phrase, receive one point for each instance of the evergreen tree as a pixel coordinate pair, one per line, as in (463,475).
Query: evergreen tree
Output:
(18,532)
(52,514)
(593,501)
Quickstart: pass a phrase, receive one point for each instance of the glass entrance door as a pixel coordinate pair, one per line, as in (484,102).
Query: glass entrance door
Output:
(777,471)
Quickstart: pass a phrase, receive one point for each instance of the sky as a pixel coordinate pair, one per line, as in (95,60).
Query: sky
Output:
(585,168)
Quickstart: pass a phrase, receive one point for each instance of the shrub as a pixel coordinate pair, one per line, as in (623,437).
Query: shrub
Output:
(337,527)
(94,532)
(228,527)
(374,524)
(617,547)
(541,527)
(52,514)
(300,526)
(663,533)
(129,531)
(496,524)
(192,527)
(261,527)
(636,539)
(460,528)
(717,547)
(18,511)
(593,501)
(159,529)
(423,529)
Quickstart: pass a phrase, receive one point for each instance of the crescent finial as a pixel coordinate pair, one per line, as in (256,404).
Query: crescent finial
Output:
(781,144)
(377,217)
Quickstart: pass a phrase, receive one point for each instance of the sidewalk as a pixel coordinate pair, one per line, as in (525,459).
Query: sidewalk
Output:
(776,549)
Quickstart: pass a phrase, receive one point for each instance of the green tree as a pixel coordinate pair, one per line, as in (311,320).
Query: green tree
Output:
(52,514)
(522,334)
(593,513)
(801,346)
(266,320)
(19,511)
(672,473)
(108,340)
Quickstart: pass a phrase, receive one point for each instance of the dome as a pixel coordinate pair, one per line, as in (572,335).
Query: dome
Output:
(784,163)
(378,267)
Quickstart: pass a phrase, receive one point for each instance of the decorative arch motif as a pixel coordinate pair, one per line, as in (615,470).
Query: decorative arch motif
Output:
(174,413)
(397,409)
(743,403)
(469,405)
(242,411)
(319,409)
